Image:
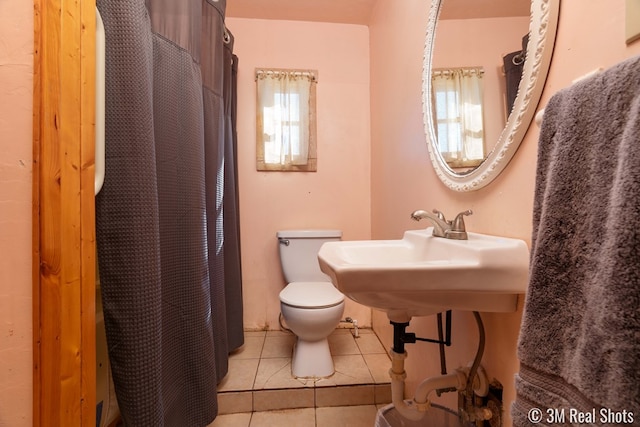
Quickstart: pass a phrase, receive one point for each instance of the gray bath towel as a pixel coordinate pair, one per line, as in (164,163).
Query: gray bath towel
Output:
(579,342)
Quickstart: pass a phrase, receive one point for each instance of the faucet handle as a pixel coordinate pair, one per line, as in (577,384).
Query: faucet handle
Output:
(439,214)
(458,222)
(458,231)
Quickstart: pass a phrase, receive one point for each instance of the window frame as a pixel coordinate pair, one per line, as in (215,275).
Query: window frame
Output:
(448,156)
(312,162)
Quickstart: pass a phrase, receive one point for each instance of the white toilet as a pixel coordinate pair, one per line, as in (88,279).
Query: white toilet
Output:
(311,306)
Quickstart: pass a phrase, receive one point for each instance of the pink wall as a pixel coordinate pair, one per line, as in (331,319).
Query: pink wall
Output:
(16,88)
(589,36)
(337,195)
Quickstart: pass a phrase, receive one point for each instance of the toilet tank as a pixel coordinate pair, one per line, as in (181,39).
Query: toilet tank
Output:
(299,253)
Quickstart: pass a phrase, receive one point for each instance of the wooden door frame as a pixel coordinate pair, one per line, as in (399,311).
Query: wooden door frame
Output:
(64,359)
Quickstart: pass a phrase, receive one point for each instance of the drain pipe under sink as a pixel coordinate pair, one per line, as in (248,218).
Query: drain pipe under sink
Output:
(457,381)
(416,409)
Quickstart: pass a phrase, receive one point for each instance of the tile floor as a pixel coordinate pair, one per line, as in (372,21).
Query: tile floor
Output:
(260,390)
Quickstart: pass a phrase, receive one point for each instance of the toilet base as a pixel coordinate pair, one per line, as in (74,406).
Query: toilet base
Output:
(312,359)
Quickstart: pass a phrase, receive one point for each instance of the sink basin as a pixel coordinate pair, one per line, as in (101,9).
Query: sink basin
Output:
(421,275)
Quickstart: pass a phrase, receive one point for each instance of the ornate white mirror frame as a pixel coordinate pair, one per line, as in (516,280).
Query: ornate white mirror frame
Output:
(542,32)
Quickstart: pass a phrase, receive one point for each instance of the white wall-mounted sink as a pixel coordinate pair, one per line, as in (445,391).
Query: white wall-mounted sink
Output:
(422,275)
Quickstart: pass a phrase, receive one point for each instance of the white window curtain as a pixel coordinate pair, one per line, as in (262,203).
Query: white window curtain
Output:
(458,113)
(286,119)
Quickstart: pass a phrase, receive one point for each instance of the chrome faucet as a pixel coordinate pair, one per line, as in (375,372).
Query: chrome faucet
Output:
(441,227)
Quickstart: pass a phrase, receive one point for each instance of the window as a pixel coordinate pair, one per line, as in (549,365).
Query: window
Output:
(457,101)
(286,120)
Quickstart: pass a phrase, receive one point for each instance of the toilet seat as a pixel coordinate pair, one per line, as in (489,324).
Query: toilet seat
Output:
(311,295)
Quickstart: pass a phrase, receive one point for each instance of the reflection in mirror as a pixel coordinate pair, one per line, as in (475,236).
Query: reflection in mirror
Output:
(512,66)
(498,41)
(456,96)
(483,38)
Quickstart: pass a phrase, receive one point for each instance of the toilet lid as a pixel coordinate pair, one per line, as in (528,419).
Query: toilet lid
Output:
(311,295)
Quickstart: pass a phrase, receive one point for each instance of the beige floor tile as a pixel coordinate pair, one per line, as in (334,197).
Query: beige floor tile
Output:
(267,400)
(264,362)
(350,369)
(345,395)
(278,346)
(342,343)
(232,420)
(279,333)
(232,402)
(286,418)
(382,394)
(369,344)
(251,349)
(342,331)
(379,365)
(260,333)
(276,373)
(241,376)
(346,416)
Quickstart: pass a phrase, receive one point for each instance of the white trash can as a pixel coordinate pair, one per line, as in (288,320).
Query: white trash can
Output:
(438,416)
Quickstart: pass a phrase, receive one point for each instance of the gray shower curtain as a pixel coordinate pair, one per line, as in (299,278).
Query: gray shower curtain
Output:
(513,64)
(166,218)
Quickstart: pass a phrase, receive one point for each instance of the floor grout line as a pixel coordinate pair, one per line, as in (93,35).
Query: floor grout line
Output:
(305,384)
(332,403)
(331,396)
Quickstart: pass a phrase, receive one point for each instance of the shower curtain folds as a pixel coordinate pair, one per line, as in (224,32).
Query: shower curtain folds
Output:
(166,218)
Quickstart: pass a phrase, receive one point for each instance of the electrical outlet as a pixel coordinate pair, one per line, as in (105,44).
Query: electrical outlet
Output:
(632,20)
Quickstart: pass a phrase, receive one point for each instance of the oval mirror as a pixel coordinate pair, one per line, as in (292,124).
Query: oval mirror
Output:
(482,80)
